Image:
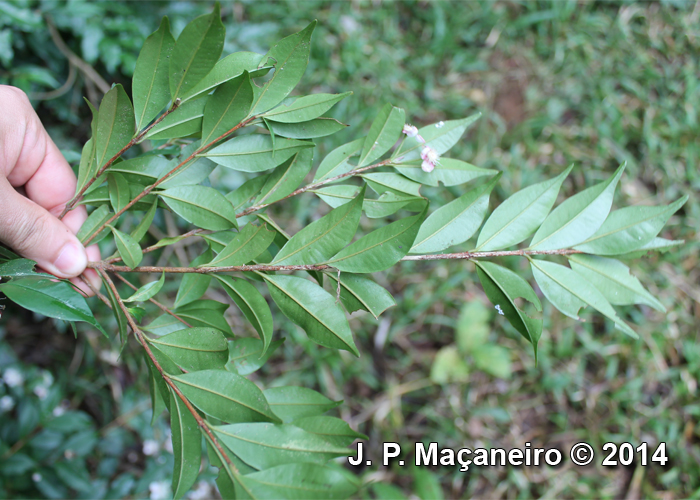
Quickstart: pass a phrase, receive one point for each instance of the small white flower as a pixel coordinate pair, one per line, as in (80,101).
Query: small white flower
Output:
(13,377)
(500,311)
(6,404)
(440,124)
(160,490)
(410,130)
(41,391)
(150,447)
(58,411)
(201,491)
(430,158)
(36,477)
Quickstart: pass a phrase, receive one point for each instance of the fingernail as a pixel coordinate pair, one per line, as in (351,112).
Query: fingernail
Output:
(72,260)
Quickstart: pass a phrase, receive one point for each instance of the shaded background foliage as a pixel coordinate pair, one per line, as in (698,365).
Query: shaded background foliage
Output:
(559,82)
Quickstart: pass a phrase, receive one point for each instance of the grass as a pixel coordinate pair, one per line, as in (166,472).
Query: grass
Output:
(557,83)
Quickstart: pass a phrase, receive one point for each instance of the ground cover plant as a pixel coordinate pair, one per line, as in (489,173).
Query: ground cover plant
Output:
(398,192)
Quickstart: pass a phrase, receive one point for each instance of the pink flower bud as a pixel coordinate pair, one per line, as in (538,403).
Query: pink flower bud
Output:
(427,166)
(410,130)
(430,158)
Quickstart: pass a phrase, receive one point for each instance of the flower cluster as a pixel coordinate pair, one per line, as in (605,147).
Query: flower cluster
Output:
(429,156)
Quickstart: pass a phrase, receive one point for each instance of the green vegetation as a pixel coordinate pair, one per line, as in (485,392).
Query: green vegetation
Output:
(557,83)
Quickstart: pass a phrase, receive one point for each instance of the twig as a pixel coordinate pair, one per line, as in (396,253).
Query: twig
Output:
(143,341)
(314,185)
(161,306)
(147,190)
(135,140)
(322,267)
(53,94)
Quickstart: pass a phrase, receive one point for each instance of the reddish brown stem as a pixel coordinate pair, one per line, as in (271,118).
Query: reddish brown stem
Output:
(144,343)
(147,190)
(314,185)
(321,267)
(161,306)
(138,138)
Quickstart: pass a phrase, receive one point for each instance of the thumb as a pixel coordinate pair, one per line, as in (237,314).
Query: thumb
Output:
(35,234)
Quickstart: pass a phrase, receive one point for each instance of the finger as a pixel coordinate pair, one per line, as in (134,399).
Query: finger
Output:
(37,235)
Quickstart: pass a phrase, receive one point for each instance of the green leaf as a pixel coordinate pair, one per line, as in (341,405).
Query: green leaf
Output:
(87,167)
(143,170)
(629,229)
(290,402)
(332,429)
(520,215)
(187,446)
(196,51)
(263,445)
(96,219)
(230,67)
(194,285)
(391,182)
(150,82)
(578,217)
(194,349)
(252,304)
(115,125)
(455,222)
(568,291)
(157,388)
(207,313)
(336,162)
(290,57)
(203,206)
(613,279)
(302,109)
(358,292)
(227,107)
(312,129)
(325,237)
(119,193)
(147,291)
(297,481)
(20,268)
(193,172)
(145,223)
(255,153)
(440,136)
(56,299)
(286,178)
(119,315)
(183,122)
(380,249)
(129,250)
(384,132)
(390,203)
(242,197)
(656,245)
(245,355)
(449,171)
(502,286)
(226,396)
(313,309)
(337,195)
(244,247)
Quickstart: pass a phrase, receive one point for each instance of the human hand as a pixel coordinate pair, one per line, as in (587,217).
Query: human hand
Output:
(36,183)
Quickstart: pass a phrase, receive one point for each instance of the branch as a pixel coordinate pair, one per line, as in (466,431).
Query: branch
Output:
(135,140)
(314,185)
(147,190)
(143,341)
(161,306)
(321,267)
